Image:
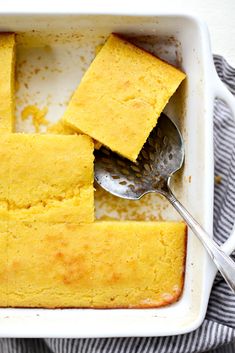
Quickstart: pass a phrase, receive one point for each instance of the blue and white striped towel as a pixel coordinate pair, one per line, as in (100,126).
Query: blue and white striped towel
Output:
(217,333)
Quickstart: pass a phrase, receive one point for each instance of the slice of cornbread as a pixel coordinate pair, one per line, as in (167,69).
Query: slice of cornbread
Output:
(7,73)
(121,96)
(47,178)
(102,264)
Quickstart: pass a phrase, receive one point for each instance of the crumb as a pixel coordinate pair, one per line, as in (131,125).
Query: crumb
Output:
(38,116)
(218,179)
(190,178)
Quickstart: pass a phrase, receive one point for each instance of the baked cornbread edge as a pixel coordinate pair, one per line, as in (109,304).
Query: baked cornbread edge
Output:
(7,105)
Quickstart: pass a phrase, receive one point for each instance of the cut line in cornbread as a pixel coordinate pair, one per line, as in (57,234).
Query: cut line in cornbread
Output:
(97,265)
(47,178)
(7,76)
(121,96)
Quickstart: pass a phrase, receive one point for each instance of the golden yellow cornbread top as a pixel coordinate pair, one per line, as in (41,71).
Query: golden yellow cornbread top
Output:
(121,96)
(47,176)
(7,75)
(102,264)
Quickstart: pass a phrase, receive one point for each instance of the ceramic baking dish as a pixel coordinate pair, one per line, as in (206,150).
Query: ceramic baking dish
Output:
(52,53)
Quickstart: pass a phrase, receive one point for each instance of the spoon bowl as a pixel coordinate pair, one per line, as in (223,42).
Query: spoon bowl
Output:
(161,156)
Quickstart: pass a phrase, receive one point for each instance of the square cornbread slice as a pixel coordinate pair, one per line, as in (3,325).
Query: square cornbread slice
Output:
(47,178)
(121,96)
(7,74)
(92,266)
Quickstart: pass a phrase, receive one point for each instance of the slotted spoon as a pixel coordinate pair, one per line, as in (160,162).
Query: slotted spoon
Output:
(161,156)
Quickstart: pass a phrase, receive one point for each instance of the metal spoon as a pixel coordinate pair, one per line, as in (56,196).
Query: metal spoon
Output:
(161,156)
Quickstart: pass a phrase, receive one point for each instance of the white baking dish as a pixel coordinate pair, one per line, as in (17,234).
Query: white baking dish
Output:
(183,40)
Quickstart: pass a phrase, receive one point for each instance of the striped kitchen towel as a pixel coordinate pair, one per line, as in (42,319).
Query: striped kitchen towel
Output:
(217,333)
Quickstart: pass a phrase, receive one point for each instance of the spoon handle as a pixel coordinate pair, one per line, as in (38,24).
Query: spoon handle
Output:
(224,263)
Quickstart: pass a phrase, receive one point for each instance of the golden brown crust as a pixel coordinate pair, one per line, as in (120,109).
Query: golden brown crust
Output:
(142,306)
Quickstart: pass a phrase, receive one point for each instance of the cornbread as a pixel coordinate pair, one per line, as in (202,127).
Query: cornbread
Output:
(7,73)
(60,128)
(121,96)
(102,264)
(47,178)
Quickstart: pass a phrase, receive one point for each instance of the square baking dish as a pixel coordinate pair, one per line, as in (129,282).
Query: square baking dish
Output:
(68,42)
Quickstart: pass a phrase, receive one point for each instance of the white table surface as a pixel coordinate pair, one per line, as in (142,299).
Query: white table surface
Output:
(218,14)
(220,18)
